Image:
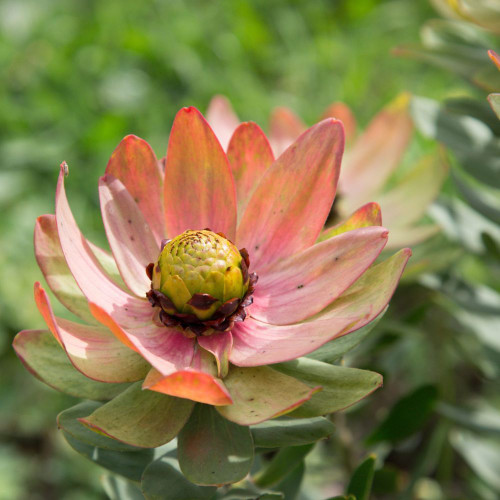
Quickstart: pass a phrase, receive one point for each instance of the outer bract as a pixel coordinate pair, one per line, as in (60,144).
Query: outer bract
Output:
(368,165)
(212,206)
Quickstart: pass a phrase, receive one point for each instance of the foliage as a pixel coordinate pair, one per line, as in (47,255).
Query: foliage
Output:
(79,76)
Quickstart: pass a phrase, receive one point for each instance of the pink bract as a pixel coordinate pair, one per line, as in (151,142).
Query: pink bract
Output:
(369,162)
(309,292)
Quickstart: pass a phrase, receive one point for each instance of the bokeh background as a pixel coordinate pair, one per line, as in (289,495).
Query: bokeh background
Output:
(77,76)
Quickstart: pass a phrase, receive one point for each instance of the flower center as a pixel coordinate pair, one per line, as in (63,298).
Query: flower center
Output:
(200,283)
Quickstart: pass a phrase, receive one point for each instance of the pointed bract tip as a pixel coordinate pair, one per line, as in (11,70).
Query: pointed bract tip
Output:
(385,234)
(64,168)
(407,251)
(495,58)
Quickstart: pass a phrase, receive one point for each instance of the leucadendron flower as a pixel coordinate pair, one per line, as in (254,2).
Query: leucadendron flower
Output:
(371,162)
(214,291)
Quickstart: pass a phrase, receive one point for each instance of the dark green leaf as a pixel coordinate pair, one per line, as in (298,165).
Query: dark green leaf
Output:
(162,480)
(361,481)
(407,416)
(285,460)
(213,450)
(291,483)
(290,431)
(128,464)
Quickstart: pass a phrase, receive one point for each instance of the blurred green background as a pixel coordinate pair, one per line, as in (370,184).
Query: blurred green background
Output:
(77,76)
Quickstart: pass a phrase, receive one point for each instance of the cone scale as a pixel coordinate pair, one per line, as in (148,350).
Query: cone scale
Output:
(200,283)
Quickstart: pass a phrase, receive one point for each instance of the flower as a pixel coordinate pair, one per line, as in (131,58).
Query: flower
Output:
(199,338)
(367,167)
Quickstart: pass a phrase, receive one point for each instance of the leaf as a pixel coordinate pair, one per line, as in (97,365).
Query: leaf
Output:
(361,481)
(68,422)
(129,464)
(250,494)
(494,100)
(407,416)
(118,488)
(141,417)
(482,454)
(283,462)
(335,349)
(213,450)
(342,386)
(162,480)
(472,141)
(484,419)
(41,354)
(260,393)
(290,485)
(281,432)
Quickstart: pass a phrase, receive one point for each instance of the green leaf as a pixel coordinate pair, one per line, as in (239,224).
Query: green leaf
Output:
(213,450)
(129,464)
(162,480)
(484,419)
(68,421)
(250,494)
(40,352)
(260,393)
(280,466)
(482,454)
(118,488)
(472,141)
(407,416)
(281,432)
(485,201)
(343,497)
(361,481)
(494,100)
(141,417)
(342,386)
(291,483)
(335,349)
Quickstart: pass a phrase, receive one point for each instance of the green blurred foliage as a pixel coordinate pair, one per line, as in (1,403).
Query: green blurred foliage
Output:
(79,75)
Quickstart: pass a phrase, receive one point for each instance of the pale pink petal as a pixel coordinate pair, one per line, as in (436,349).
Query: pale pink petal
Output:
(92,350)
(50,258)
(164,348)
(88,273)
(289,207)
(220,345)
(199,187)
(284,128)
(375,154)
(256,343)
(368,296)
(222,118)
(129,236)
(366,216)
(134,163)
(250,155)
(342,112)
(307,282)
